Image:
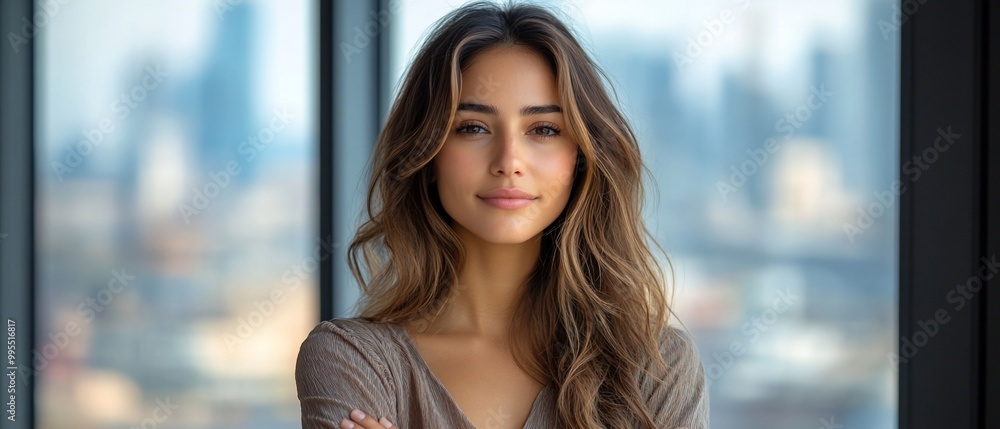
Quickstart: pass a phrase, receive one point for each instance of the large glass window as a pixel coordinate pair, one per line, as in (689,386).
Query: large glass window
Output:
(176,199)
(770,129)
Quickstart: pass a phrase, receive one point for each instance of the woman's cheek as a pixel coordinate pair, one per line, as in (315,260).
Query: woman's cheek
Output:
(559,174)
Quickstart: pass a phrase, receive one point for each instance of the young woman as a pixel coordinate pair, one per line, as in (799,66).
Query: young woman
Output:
(507,281)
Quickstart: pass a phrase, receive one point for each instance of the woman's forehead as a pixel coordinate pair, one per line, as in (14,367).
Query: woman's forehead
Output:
(512,76)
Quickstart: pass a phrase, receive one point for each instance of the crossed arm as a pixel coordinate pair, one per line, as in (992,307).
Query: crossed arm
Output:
(338,373)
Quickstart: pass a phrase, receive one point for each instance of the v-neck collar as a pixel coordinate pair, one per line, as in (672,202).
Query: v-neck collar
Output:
(412,349)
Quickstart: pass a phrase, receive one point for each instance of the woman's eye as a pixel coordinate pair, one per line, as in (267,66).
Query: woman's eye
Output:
(471,129)
(545,131)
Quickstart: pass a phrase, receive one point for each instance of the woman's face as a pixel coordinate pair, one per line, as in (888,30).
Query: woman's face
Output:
(509,134)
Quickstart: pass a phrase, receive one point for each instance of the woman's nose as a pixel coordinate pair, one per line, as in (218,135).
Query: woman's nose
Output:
(507,158)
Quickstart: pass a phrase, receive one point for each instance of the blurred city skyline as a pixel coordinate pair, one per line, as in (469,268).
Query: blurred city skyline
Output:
(199,185)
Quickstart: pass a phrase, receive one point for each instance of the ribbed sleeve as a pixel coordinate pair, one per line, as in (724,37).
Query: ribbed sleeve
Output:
(680,401)
(337,371)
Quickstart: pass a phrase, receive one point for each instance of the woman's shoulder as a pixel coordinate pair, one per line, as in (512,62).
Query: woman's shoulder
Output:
(344,345)
(349,340)
(353,325)
(679,395)
(681,356)
(355,331)
(341,366)
(677,345)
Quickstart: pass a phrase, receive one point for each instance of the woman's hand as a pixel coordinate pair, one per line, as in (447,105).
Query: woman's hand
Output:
(361,420)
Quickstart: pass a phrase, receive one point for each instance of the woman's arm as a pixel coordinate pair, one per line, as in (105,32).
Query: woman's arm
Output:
(338,371)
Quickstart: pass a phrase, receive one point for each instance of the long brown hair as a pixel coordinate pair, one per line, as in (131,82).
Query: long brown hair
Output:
(596,302)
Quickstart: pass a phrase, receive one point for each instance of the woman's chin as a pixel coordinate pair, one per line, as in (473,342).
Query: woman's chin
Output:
(506,236)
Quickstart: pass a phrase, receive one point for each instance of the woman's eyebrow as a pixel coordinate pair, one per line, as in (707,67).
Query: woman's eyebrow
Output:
(525,111)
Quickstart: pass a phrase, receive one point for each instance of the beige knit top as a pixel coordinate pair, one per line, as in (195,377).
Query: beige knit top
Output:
(352,363)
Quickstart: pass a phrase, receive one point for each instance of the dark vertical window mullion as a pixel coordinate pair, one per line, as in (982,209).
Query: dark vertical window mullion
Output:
(327,187)
(980,43)
(991,196)
(978,307)
(17,196)
(943,216)
(906,210)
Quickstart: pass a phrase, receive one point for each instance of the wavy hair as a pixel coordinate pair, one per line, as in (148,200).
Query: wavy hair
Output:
(591,317)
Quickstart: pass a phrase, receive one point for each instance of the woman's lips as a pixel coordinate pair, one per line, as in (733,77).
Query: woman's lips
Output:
(507,203)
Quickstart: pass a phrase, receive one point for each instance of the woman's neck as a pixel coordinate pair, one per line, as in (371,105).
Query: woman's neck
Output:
(490,281)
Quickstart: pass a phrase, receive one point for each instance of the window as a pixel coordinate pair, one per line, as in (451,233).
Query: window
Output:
(176,196)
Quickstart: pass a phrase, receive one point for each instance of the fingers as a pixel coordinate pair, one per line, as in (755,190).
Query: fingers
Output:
(360,420)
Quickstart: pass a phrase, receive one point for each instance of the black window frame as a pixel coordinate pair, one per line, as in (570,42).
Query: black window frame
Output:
(17,197)
(950,215)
